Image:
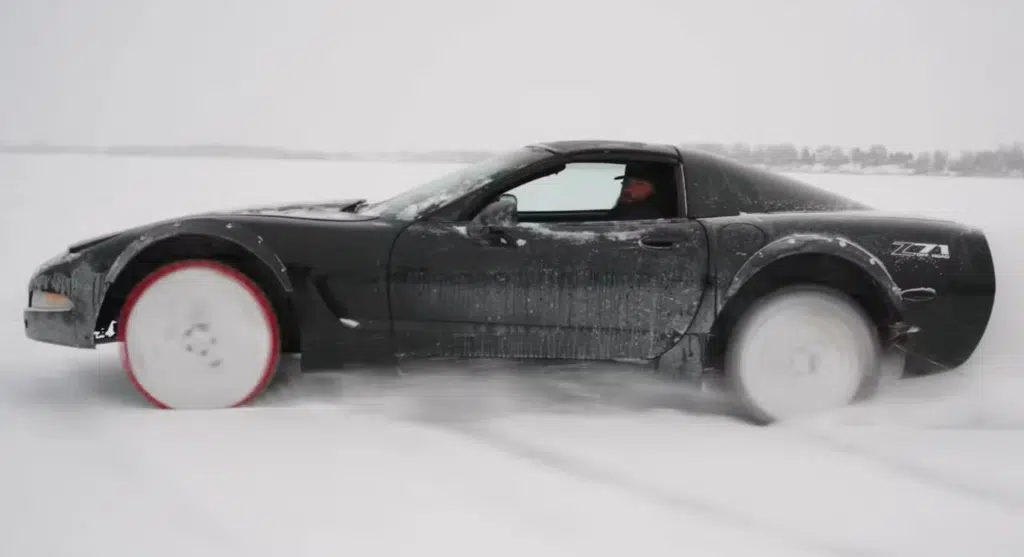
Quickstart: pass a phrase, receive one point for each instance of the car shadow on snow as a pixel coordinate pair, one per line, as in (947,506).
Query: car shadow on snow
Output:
(446,391)
(435,392)
(468,391)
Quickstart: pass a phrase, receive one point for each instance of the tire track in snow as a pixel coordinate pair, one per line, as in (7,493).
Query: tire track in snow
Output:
(578,468)
(472,479)
(151,482)
(593,473)
(468,481)
(135,478)
(912,471)
(186,507)
(554,520)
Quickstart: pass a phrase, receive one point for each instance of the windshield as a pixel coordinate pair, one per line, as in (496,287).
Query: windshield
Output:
(411,204)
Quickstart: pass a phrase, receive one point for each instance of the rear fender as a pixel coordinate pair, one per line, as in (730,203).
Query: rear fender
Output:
(801,244)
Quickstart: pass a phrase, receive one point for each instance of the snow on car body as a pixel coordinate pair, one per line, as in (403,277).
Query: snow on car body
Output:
(515,257)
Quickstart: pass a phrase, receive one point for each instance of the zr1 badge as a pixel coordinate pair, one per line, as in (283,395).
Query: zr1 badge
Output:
(915,249)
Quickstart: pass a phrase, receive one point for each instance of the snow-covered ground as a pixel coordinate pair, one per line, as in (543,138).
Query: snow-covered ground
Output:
(334,465)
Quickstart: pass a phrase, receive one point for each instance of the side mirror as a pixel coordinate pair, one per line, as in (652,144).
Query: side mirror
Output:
(487,224)
(500,212)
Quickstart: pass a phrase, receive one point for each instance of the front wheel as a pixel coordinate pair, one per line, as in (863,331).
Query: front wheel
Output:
(198,334)
(799,351)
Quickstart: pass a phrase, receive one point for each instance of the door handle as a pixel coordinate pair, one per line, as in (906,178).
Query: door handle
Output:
(651,242)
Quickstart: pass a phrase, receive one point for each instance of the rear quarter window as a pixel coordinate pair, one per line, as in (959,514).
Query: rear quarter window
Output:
(708,192)
(718,187)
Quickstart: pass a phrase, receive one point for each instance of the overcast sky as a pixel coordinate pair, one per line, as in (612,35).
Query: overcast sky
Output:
(382,74)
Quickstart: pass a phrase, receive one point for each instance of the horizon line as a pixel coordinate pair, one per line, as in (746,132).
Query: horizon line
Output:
(24,146)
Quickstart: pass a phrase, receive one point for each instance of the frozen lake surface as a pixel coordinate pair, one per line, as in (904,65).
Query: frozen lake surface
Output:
(329,465)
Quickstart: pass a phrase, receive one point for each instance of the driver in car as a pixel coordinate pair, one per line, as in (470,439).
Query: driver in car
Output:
(636,199)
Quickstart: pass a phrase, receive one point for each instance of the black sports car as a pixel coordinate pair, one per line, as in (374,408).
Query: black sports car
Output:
(666,258)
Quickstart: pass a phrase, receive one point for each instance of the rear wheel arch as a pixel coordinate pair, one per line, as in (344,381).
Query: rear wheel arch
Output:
(201,246)
(819,269)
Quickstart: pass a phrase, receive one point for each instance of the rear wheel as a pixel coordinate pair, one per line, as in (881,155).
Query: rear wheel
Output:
(799,351)
(198,334)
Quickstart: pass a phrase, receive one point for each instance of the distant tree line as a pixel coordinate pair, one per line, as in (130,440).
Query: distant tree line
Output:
(1004,161)
(1007,160)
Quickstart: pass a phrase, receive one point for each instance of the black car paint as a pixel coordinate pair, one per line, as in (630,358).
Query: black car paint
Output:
(951,323)
(369,288)
(589,291)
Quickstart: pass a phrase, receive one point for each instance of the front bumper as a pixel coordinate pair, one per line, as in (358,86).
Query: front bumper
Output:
(69,276)
(53,327)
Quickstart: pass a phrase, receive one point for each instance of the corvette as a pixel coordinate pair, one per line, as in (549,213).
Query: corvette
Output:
(791,293)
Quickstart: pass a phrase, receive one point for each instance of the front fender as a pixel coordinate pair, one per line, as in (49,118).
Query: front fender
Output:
(213,227)
(838,246)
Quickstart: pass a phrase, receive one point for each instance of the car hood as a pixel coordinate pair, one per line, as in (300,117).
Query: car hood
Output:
(338,210)
(331,210)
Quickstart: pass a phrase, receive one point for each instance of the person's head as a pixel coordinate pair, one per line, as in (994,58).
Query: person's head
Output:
(635,189)
(636,186)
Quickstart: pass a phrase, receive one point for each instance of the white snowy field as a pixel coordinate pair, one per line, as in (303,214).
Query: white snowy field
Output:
(332,465)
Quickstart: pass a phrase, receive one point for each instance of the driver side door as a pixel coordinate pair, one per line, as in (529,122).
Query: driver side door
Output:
(556,283)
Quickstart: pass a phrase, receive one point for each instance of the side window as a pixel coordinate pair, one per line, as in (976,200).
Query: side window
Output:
(583,186)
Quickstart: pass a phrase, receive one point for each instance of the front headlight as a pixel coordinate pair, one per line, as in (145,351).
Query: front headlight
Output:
(49,301)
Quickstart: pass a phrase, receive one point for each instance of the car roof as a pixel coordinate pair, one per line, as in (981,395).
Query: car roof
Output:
(582,146)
